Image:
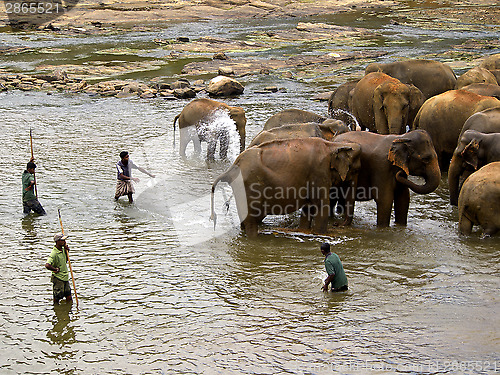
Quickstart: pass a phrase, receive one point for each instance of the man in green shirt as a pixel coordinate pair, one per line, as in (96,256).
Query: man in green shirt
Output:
(335,270)
(57,264)
(30,201)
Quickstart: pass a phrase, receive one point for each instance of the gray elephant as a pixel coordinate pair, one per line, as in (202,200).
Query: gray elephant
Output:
(383,104)
(327,130)
(431,77)
(386,162)
(338,104)
(195,125)
(474,150)
(292,116)
(485,89)
(479,201)
(487,121)
(444,115)
(283,176)
(476,75)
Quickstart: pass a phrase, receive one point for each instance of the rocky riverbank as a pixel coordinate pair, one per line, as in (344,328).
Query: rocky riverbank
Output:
(212,55)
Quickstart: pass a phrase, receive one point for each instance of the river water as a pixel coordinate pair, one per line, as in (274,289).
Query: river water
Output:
(160,291)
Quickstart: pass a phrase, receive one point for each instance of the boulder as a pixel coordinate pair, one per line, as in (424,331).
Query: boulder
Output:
(224,86)
(180,84)
(184,93)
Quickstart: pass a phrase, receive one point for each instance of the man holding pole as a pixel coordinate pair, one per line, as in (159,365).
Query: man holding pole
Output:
(57,264)
(30,200)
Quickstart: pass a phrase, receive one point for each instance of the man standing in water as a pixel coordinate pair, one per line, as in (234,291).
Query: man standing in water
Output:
(57,264)
(335,270)
(124,175)
(30,201)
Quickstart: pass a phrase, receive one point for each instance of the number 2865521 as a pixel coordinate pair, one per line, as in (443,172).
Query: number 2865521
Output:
(31,8)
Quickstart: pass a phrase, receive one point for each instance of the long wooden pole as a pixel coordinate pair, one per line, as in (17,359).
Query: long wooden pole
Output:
(69,261)
(33,158)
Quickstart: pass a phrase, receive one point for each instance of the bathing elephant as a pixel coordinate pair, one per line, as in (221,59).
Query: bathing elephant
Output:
(283,176)
(386,162)
(327,130)
(338,104)
(485,89)
(431,77)
(479,201)
(487,121)
(476,75)
(474,150)
(383,104)
(292,116)
(200,113)
(491,62)
(444,115)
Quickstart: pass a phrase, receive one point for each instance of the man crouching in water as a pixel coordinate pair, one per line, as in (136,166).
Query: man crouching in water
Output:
(335,270)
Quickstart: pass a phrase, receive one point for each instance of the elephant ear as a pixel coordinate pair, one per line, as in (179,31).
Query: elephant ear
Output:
(327,132)
(416,101)
(342,160)
(399,154)
(470,153)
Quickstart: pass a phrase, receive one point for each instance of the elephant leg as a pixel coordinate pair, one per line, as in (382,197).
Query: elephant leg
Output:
(305,218)
(224,144)
(464,224)
(183,142)
(401,204)
(251,228)
(322,215)
(197,145)
(384,208)
(350,195)
(212,145)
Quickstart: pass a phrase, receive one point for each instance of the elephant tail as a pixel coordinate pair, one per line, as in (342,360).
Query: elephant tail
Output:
(175,120)
(213,215)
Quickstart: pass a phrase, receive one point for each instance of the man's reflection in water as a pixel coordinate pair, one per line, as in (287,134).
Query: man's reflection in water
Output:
(62,334)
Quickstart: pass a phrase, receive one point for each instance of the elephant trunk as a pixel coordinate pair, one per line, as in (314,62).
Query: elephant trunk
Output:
(396,124)
(454,180)
(432,180)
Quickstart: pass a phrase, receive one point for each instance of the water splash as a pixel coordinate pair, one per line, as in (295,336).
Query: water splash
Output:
(347,117)
(219,127)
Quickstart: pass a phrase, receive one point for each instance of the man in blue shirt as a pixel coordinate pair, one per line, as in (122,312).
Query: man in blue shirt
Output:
(124,176)
(335,270)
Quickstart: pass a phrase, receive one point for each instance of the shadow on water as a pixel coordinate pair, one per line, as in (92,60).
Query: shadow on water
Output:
(62,332)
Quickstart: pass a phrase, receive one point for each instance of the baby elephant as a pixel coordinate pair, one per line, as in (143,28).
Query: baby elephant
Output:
(479,200)
(200,114)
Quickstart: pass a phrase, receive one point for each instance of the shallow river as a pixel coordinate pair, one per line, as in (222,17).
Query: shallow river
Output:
(161,292)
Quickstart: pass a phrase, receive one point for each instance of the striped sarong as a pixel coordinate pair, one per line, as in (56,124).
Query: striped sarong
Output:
(124,188)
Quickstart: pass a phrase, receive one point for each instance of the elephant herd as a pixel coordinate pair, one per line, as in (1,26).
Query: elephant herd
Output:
(421,119)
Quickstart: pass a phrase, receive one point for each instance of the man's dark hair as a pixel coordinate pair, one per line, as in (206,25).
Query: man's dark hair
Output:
(325,246)
(123,154)
(30,165)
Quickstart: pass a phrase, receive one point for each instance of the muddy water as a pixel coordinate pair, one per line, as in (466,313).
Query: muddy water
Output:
(161,292)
